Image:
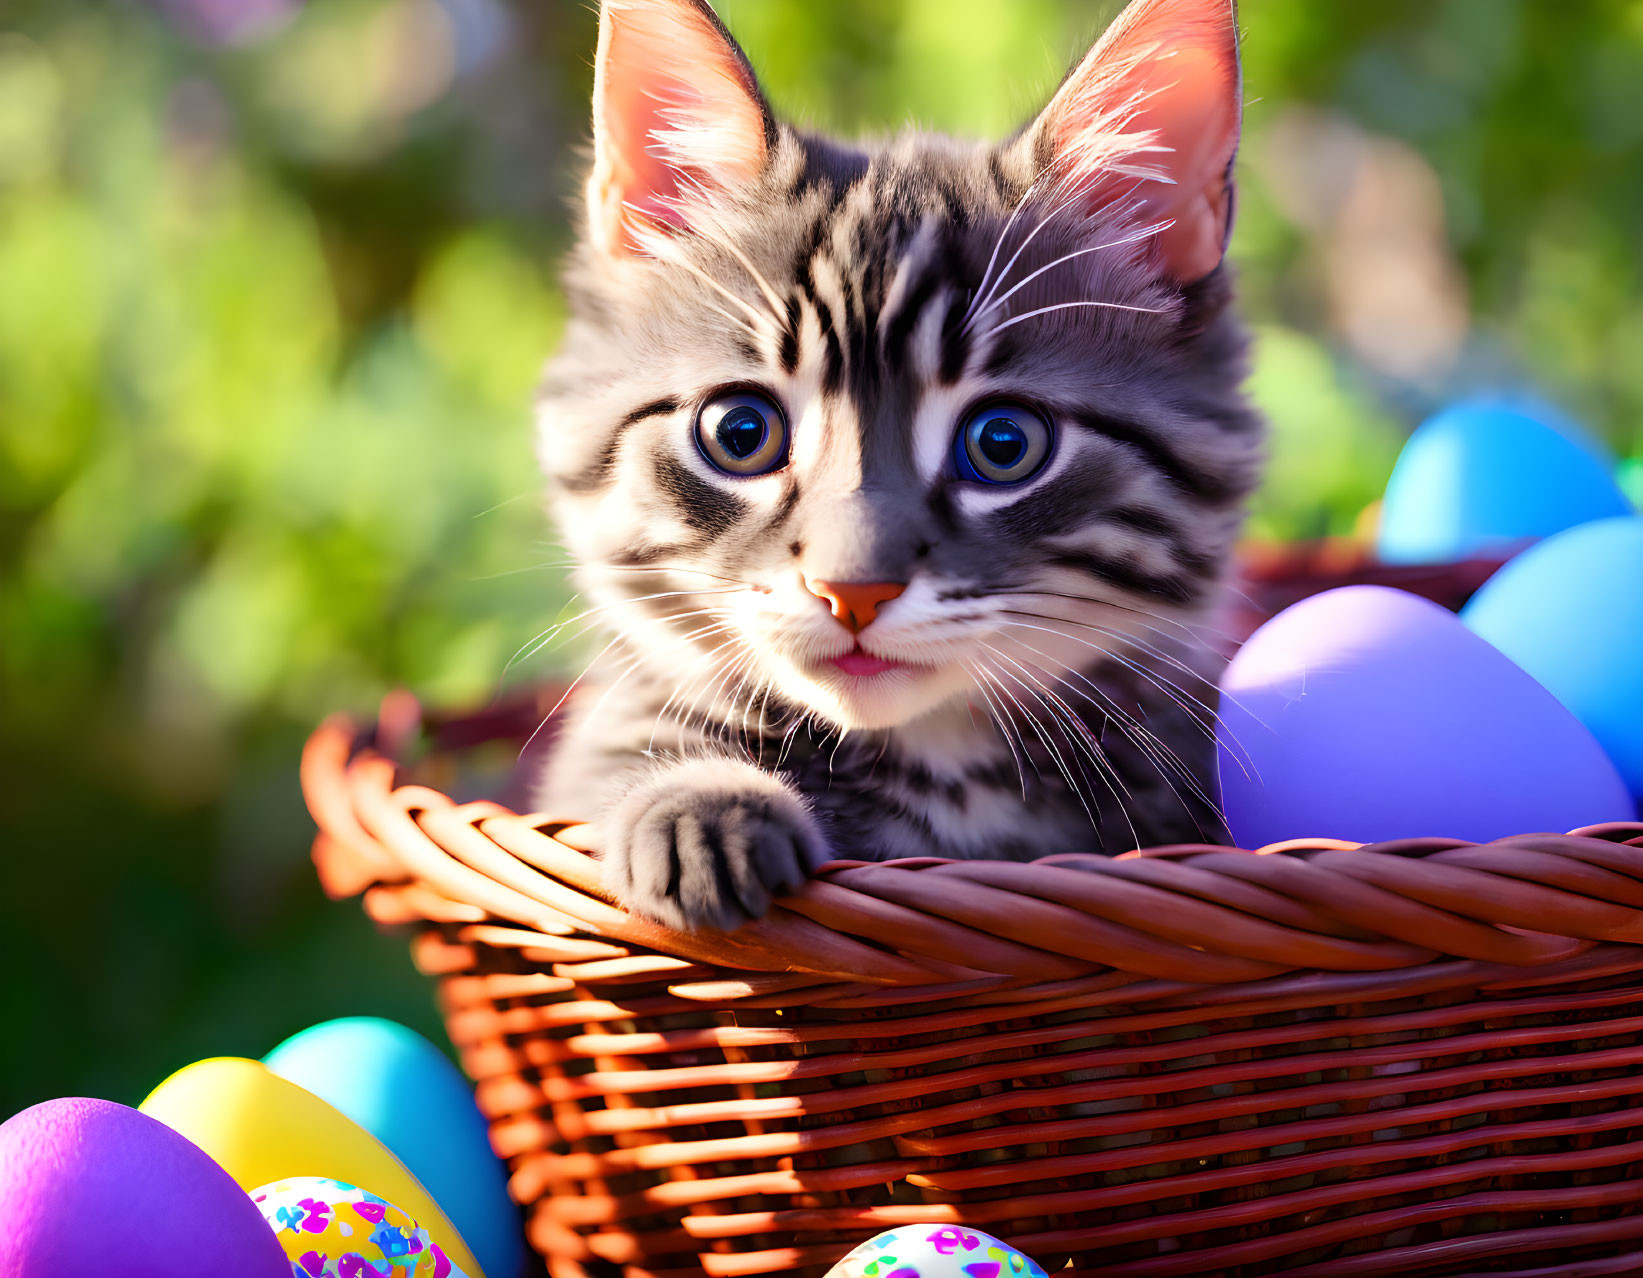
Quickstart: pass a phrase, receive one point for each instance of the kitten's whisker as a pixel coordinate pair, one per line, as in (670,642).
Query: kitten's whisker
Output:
(982,291)
(710,659)
(713,684)
(1067,306)
(547,636)
(1125,636)
(1160,655)
(1045,738)
(676,700)
(761,725)
(506,501)
(1001,721)
(1192,630)
(777,306)
(660,568)
(1175,692)
(565,696)
(1157,751)
(1104,769)
(1063,712)
(802,721)
(1106,651)
(516,572)
(719,310)
(999,301)
(742,672)
(527,644)
(718,689)
(674,257)
(749,674)
(1094,687)
(633,665)
(678,616)
(1057,207)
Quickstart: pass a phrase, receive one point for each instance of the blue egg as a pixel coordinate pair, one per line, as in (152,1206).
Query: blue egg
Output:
(1366,714)
(1570,612)
(1487,476)
(405,1092)
(1527,404)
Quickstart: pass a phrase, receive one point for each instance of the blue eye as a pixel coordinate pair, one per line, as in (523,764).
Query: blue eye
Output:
(742,433)
(1002,443)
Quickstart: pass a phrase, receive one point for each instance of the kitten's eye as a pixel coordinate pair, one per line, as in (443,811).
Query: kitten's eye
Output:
(742,433)
(1002,443)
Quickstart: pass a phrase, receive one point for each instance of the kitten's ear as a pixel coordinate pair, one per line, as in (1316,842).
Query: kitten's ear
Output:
(1151,116)
(675,109)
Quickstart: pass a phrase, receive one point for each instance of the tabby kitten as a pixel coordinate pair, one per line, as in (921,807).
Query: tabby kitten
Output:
(903,472)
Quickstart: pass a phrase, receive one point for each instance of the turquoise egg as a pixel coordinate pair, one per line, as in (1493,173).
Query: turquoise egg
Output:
(1570,612)
(404,1091)
(1488,476)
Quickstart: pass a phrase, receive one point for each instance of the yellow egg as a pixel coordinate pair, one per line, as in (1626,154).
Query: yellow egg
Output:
(262,1128)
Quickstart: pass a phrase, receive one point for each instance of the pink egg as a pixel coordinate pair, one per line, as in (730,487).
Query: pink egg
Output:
(91,1189)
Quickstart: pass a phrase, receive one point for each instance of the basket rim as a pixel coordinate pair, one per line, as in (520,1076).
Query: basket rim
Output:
(1189,915)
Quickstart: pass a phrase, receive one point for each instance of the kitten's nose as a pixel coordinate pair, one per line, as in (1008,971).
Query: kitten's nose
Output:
(855,603)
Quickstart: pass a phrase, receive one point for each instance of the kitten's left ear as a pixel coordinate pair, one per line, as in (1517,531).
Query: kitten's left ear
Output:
(1151,116)
(676,110)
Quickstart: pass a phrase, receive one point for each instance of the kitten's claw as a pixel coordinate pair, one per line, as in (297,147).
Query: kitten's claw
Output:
(709,843)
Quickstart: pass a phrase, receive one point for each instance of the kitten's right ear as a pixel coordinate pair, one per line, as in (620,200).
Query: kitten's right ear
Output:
(1151,118)
(676,111)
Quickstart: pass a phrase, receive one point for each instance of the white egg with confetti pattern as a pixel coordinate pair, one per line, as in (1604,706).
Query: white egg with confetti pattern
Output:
(331,1229)
(935,1251)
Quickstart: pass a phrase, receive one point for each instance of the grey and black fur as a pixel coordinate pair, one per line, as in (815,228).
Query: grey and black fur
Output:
(1056,697)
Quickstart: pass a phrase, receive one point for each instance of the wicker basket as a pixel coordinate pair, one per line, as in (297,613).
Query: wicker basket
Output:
(1413,1057)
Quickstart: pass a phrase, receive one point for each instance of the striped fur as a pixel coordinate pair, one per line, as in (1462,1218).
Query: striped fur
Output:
(1057,697)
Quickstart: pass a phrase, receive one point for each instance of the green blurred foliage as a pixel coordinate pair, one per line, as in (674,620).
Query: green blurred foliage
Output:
(272,301)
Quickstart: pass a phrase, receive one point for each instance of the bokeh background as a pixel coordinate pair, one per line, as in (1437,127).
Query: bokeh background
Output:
(275,282)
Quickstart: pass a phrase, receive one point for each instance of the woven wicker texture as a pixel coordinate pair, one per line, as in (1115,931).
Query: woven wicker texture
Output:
(1415,1057)
(1411,1057)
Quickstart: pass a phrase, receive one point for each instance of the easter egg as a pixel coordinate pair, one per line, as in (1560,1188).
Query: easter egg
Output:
(935,1251)
(263,1128)
(1367,714)
(1570,612)
(1485,477)
(330,1229)
(90,1189)
(404,1091)
(1528,404)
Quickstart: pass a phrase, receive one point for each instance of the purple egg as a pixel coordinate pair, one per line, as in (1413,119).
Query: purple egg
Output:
(1367,714)
(90,1189)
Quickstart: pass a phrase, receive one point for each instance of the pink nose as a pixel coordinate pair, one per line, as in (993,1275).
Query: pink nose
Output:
(855,603)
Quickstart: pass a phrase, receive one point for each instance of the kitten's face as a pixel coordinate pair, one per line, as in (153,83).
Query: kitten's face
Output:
(874,431)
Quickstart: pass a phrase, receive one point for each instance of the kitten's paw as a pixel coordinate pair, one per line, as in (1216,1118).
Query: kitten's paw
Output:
(709,843)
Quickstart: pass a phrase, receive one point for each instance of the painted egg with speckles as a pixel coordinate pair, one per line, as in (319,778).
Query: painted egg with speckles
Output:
(935,1251)
(331,1229)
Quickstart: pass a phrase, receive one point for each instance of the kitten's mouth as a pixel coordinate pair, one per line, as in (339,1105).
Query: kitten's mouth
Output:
(860,664)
